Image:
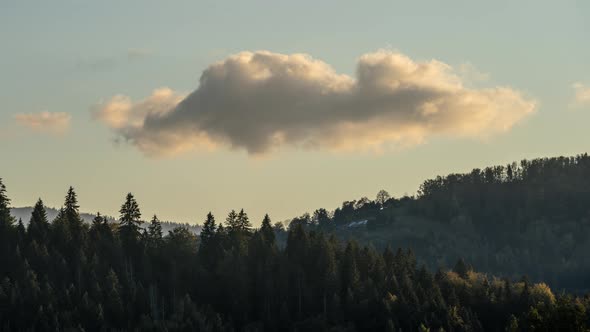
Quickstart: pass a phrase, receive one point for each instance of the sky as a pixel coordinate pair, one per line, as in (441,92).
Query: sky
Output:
(280,107)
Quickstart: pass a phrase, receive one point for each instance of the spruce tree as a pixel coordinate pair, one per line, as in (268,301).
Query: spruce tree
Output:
(74,228)
(232,221)
(155,229)
(208,249)
(6,219)
(243,221)
(38,225)
(71,207)
(20,230)
(129,224)
(268,234)
(99,220)
(6,231)
(130,215)
(6,226)
(208,231)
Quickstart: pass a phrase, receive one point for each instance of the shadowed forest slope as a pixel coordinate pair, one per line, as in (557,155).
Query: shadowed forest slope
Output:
(506,222)
(529,218)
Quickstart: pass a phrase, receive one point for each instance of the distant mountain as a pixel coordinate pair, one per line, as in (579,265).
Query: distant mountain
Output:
(24,213)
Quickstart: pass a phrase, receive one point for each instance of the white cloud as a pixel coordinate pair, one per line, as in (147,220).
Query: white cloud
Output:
(470,74)
(56,123)
(582,94)
(261,101)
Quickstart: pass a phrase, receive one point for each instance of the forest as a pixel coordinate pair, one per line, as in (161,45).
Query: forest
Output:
(399,271)
(528,218)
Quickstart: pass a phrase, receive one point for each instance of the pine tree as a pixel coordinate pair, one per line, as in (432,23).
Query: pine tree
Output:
(99,220)
(71,207)
(6,219)
(73,228)
(6,232)
(38,225)
(268,233)
(232,221)
(20,230)
(243,222)
(130,216)
(208,231)
(155,230)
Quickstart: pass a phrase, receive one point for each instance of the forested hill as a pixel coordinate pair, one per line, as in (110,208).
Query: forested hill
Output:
(528,218)
(68,275)
(24,214)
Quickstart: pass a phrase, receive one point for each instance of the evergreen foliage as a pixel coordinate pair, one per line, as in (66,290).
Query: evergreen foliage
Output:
(63,275)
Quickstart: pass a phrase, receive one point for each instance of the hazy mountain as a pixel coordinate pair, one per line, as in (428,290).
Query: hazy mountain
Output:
(24,213)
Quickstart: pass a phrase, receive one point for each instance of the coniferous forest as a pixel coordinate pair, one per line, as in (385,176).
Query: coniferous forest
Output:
(67,275)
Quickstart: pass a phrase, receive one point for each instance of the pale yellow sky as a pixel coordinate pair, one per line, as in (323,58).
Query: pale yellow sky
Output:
(416,89)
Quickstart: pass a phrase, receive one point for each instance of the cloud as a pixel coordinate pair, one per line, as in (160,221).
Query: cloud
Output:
(55,123)
(262,101)
(582,94)
(470,74)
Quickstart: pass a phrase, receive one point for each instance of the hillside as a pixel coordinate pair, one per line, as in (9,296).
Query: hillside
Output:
(66,274)
(529,218)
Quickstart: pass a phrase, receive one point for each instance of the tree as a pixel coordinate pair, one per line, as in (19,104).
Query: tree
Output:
(208,231)
(114,303)
(181,244)
(325,269)
(238,222)
(20,230)
(243,221)
(6,219)
(267,231)
(382,197)
(38,227)
(71,228)
(6,230)
(232,221)
(208,249)
(297,253)
(99,220)
(322,218)
(349,270)
(129,223)
(130,215)
(155,230)
(71,207)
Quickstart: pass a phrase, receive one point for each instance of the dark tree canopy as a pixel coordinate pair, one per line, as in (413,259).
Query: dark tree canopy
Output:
(66,275)
(5,217)
(38,228)
(130,214)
